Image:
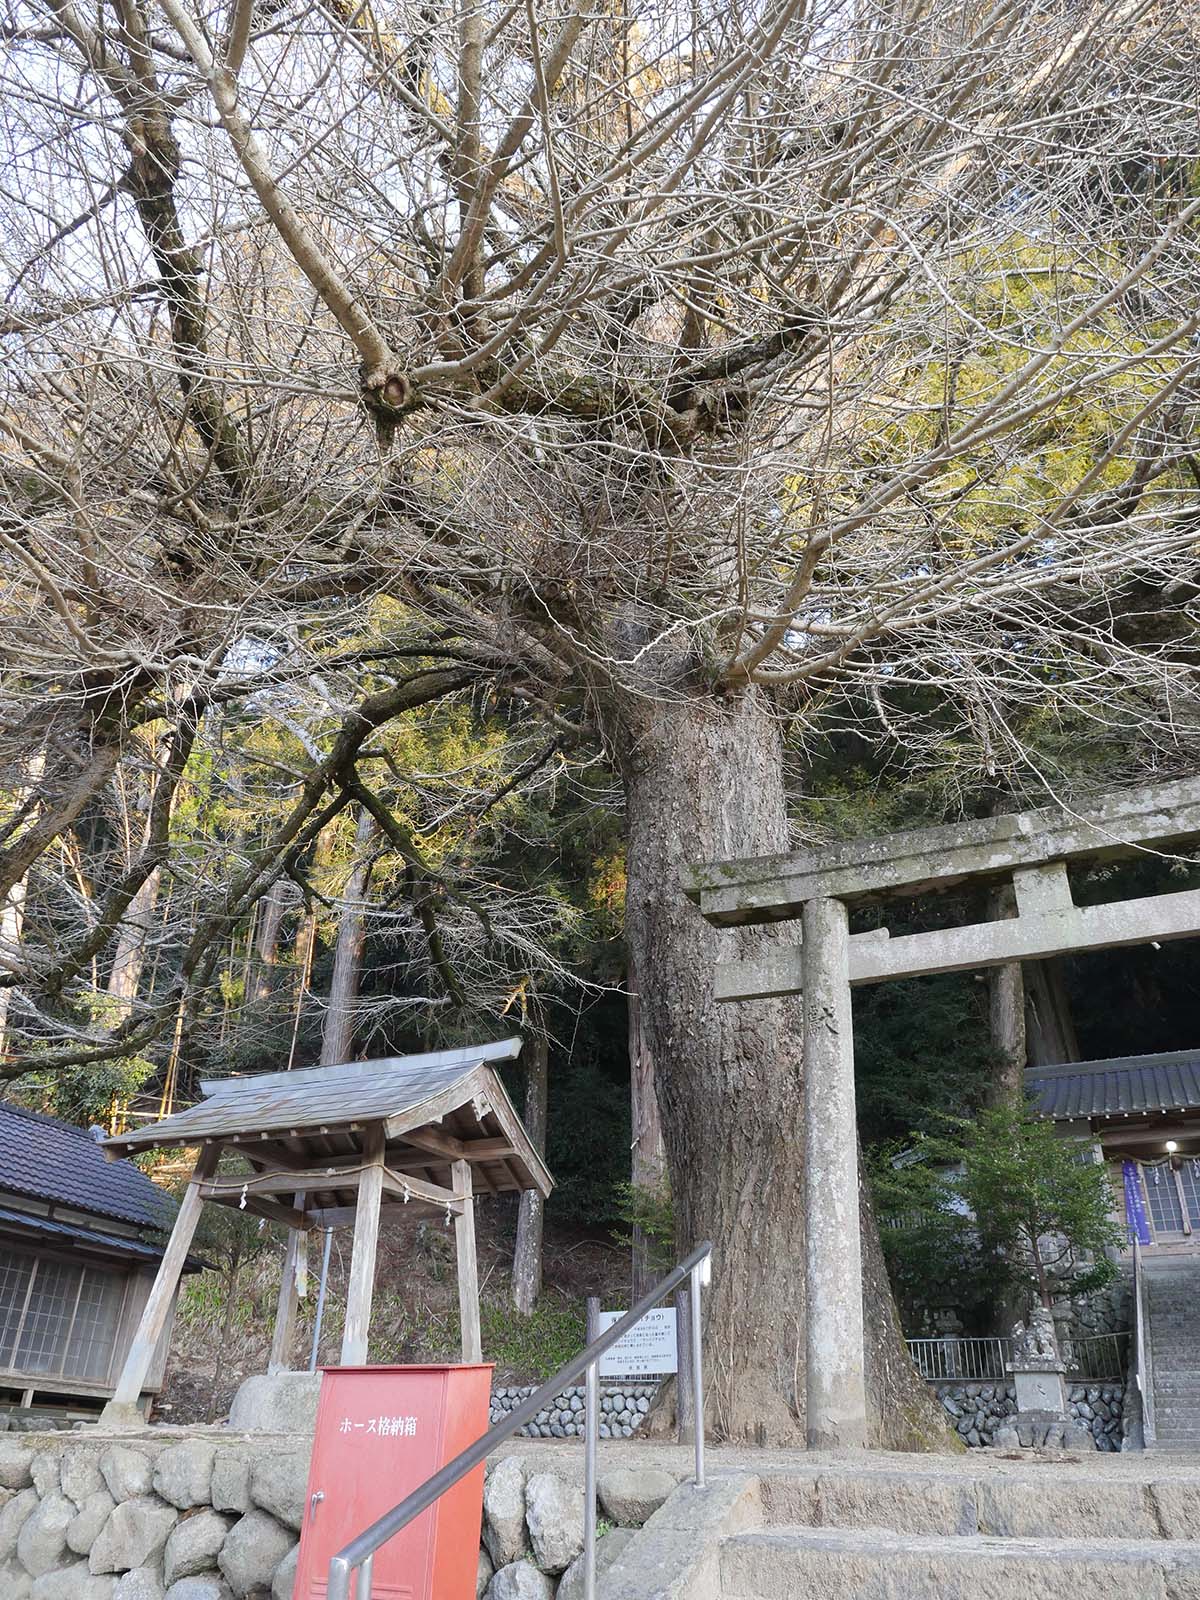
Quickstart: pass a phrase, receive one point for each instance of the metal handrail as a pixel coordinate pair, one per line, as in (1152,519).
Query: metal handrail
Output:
(359,1555)
(1145,1359)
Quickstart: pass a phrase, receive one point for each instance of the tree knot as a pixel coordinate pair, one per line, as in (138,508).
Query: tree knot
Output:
(386,392)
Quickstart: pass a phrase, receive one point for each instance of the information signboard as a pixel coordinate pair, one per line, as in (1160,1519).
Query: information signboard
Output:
(648,1348)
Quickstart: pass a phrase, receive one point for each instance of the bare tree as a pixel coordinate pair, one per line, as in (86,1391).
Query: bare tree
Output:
(337,1034)
(690,374)
(527,1254)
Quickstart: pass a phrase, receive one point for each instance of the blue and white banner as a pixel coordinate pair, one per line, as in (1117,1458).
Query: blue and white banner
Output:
(1136,1220)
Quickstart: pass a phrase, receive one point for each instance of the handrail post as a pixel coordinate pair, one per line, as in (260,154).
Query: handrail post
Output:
(700,1273)
(358,1554)
(591,1433)
(338,1587)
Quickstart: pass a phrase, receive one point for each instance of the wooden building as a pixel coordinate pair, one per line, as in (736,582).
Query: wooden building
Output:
(81,1239)
(1143,1112)
(328,1147)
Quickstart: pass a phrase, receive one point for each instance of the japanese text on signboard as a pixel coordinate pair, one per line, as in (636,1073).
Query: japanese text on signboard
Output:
(384,1427)
(649,1346)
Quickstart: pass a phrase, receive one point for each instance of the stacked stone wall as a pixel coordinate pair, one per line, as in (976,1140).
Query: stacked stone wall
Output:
(203,1516)
(623,1409)
(977,1410)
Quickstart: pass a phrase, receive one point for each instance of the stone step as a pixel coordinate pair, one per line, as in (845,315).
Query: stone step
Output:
(1008,1504)
(857,1564)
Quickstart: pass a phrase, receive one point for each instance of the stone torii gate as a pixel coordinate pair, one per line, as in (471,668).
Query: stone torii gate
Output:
(819,887)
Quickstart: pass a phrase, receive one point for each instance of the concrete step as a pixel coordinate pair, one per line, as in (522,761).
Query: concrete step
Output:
(861,1564)
(926,1501)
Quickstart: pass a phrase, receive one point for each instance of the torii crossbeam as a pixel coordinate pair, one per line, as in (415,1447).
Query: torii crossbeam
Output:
(1030,850)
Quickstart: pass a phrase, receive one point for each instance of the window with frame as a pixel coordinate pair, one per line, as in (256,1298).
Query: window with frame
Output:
(58,1317)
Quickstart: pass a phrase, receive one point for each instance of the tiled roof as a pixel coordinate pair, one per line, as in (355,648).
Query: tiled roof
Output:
(55,1161)
(60,1232)
(1129,1084)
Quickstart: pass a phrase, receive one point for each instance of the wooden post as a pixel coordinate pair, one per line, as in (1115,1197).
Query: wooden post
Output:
(362,1259)
(124,1407)
(468,1271)
(284,1335)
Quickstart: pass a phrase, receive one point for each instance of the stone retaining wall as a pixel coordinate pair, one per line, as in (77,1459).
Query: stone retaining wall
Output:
(206,1516)
(978,1409)
(622,1411)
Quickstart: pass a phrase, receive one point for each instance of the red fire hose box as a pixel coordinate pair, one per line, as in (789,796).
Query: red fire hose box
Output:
(381,1431)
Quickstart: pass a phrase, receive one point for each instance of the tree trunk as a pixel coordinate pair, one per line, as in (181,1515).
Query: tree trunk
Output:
(1006,1012)
(1051,1032)
(648,1163)
(337,1037)
(703,780)
(12,920)
(274,904)
(527,1257)
(133,936)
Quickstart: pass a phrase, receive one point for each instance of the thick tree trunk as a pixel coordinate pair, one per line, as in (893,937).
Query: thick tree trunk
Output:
(705,779)
(337,1038)
(12,920)
(133,937)
(1006,1015)
(1050,1029)
(270,923)
(527,1257)
(648,1156)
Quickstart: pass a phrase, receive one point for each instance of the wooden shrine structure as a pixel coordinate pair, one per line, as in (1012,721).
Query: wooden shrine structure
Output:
(819,888)
(327,1147)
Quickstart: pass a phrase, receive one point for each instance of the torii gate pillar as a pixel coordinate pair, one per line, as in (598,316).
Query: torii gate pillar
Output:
(835,1359)
(1029,850)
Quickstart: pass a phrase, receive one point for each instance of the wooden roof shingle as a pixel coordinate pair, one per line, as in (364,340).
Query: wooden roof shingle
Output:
(303,1113)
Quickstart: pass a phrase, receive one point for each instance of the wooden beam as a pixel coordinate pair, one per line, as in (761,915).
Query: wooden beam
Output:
(468,1266)
(123,1407)
(272,1183)
(333,1216)
(488,1149)
(1153,919)
(400,1184)
(284,1332)
(438,1144)
(273,1210)
(361,1290)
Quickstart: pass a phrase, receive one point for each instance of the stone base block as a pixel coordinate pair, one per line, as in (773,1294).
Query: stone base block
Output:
(284,1402)
(1041,1391)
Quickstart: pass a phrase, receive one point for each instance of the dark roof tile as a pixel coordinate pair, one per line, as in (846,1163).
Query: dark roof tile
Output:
(58,1162)
(1128,1084)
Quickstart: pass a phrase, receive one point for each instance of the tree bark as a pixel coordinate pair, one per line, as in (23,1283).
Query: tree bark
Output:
(1050,1029)
(1006,1015)
(273,904)
(337,1037)
(527,1256)
(12,920)
(133,936)
(704,779)
(648,1160)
